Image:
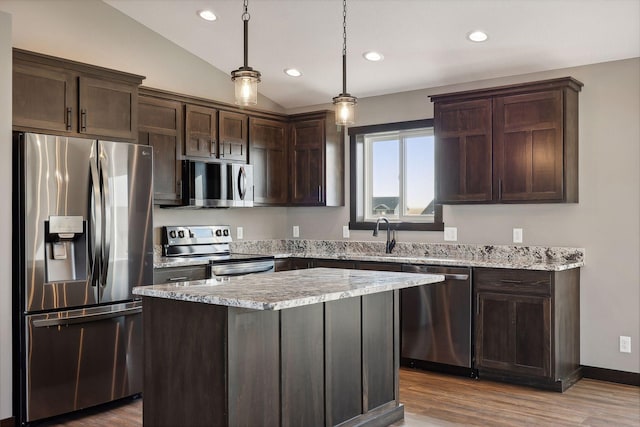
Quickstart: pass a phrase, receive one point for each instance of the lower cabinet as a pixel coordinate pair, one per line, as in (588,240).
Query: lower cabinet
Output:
(527,326)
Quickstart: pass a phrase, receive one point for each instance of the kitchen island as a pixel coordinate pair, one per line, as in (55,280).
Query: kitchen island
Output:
(316,347)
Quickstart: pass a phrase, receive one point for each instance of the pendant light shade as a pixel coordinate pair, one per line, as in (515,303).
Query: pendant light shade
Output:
(345,104)
(246,78)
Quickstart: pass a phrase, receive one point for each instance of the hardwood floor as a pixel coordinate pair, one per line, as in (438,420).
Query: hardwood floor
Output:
(442,400)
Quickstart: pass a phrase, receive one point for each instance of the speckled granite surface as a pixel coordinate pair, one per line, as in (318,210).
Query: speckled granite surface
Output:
(492,256)
(287,289)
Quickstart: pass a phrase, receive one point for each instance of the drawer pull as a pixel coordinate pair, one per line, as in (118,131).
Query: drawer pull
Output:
(178,279)
(514,282)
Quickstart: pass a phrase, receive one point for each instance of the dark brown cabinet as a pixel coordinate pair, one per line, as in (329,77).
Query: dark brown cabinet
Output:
(463,151)
(527,326)
(268,155)
(233,128)
(316,161)
(68,98)
(201,130)
(511,144)
(160,126)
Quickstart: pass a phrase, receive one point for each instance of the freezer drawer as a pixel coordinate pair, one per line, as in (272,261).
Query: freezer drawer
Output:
(81,358)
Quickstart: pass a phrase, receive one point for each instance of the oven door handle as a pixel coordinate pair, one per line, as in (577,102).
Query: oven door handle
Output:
(240,268)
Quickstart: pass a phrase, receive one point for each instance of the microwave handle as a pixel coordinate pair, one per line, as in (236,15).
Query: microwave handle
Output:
(242,182)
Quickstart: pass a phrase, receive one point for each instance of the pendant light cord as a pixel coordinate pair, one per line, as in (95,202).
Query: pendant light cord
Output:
(344,46)
(245,19)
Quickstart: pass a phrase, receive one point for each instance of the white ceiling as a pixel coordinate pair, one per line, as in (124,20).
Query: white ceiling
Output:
(423,41)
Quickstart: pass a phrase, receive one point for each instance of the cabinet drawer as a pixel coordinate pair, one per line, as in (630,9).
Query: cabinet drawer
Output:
(513,281)
(180,274)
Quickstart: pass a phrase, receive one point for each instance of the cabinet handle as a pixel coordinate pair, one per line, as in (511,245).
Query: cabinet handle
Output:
(514,282)
(68,118)
(83,120)
(319,194)
(178,279)
(500,189)
(222,149)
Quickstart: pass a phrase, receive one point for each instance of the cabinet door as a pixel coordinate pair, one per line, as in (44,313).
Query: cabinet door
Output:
(44,98)
(268,155)
(307,162)
(528,147)
(108,108)
(160,126)
(201,128)
(513,333)
(463,151)
(233,136)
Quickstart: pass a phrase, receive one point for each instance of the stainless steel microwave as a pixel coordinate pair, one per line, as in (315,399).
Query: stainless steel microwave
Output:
(217,185)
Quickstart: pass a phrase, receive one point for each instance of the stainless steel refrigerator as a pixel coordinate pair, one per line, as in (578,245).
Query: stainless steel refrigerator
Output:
(83,240)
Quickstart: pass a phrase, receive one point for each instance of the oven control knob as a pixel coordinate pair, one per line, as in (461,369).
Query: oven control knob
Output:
(225,233)
(181,234)
(172,234)
(218,233)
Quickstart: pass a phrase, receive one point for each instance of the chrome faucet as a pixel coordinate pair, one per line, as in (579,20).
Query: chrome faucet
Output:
(390,243)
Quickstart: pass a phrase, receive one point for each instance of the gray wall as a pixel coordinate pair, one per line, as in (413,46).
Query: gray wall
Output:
(92,32)
(5,216)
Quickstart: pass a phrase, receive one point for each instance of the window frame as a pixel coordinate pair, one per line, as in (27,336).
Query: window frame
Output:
(354,224)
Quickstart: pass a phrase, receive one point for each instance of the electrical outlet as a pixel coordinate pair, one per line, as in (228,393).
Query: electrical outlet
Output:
(345,231)
(625,344)
(450,234)
(239,233)
(517,235)
(296,231)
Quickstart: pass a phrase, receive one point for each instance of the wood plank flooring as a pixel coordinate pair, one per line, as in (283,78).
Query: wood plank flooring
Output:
(442,400)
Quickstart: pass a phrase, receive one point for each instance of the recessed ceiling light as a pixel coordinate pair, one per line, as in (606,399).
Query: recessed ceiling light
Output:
(207,15)
(293,72)
(373,56)
(477,36)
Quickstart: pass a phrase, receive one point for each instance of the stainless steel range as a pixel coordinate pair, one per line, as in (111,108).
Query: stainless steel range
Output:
(212,243)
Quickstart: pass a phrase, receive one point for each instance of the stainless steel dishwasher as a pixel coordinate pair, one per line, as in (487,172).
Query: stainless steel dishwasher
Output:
(436,321)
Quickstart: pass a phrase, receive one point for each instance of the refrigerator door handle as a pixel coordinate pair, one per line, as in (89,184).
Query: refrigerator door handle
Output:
(95,221)
(61,321)
(106,209)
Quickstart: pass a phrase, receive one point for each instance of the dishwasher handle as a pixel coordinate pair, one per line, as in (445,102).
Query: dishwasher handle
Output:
(435,270)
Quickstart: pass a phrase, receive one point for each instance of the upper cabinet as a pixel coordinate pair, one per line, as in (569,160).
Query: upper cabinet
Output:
(160,125)
(234,141)
(316,161)
(268,155)
(201,130)
(68,98)
(509,144)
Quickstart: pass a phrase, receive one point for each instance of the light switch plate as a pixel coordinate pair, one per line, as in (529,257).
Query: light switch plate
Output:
(345,231)
(239,233)
(296,231)
(450,234)
(517,235)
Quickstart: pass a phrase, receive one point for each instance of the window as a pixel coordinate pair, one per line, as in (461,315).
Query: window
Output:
(392,175)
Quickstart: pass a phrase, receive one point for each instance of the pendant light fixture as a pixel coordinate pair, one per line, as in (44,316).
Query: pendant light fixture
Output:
(246,78)
(345,103)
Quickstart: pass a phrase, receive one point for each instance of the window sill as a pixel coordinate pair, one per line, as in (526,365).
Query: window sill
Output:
(401,226)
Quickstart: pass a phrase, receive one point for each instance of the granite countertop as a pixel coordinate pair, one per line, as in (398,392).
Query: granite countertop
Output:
(488,256)
(287,289)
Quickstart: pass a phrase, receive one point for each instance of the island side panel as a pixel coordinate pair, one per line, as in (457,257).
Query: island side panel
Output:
(302,352)
(179,389)
(343,360)
(253,367)
(378,350)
